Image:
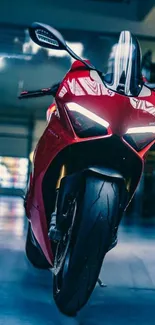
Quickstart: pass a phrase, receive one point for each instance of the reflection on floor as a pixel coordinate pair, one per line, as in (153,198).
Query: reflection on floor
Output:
(25,293)
(12,216)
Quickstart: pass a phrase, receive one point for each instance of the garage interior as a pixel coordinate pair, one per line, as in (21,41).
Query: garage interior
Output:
(91,28)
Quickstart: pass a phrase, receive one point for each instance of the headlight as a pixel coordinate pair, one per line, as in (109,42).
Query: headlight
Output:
(86,123)
(139,137)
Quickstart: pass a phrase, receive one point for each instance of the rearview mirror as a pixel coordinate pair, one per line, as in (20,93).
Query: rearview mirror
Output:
(47,36)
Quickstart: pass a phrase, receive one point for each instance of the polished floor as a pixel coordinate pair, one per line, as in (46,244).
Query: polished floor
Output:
(25,293)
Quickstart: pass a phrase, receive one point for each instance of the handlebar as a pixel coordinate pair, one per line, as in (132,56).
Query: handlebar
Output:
(39,93)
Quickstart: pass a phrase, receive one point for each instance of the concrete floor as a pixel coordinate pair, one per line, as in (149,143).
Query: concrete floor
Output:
(25,293)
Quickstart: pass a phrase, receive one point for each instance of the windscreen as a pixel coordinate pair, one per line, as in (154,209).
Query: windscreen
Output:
(124,66)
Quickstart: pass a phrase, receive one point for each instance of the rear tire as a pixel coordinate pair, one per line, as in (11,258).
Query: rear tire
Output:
(34,252)
(96,220)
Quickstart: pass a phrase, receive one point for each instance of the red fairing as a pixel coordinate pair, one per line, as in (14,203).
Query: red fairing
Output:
(122,114)
(87,89)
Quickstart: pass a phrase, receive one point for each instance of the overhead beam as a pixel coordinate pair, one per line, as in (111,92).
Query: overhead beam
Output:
(81,20)
(144,8)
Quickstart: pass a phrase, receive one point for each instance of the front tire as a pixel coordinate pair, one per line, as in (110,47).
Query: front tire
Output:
(96,221)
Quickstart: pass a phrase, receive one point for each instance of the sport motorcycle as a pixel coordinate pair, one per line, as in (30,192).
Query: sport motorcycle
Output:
(87,164)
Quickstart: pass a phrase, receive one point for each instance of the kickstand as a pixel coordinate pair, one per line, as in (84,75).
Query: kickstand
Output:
(101,284)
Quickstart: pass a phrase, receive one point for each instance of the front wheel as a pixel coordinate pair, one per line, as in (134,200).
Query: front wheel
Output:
(97,215)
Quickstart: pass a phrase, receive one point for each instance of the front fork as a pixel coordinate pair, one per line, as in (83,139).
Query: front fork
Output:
(54,233)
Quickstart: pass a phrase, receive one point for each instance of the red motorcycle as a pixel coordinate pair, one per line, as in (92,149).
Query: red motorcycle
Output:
(87,165)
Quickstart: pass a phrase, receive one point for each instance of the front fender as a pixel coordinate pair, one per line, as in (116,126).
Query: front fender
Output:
(71,184)
(105,171)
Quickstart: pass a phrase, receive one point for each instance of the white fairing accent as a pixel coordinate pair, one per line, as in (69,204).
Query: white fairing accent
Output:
(145,92)
(92,85)
(87,86)
(62,92)
(142,105)
(95,76)
(75,88)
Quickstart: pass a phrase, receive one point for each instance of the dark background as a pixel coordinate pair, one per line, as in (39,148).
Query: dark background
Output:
(91,27)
